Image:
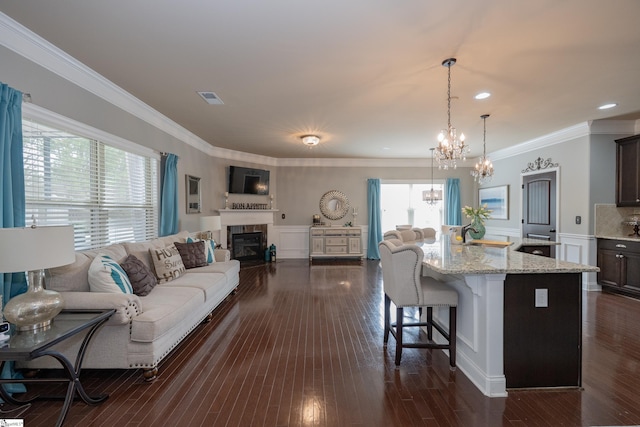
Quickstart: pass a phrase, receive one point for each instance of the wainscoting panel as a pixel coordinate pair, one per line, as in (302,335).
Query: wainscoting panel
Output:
(581,249)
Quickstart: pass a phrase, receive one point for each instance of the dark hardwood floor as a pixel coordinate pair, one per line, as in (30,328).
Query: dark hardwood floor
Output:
(302,345)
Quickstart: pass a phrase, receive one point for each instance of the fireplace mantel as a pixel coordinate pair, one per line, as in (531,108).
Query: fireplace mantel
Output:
(245,217)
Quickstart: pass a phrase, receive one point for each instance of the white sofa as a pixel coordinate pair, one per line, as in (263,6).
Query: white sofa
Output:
(144,329)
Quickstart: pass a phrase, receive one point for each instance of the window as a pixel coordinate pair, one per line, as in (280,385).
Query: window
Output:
(109,195)
(402,203)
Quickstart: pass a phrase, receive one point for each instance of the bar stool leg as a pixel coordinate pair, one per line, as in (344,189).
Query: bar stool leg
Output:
(399,319)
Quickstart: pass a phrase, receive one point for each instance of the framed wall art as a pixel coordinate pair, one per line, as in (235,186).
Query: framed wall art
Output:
(496,199)
(194,200)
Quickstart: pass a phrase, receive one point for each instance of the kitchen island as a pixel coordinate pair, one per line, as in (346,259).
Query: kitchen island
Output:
(519,315)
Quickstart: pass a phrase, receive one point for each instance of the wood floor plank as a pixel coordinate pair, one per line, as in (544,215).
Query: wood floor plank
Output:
(301,345)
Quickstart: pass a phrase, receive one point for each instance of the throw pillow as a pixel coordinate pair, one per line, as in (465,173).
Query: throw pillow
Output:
(209,246)
(167,263)
(106,275)
(192,254)
(141,278)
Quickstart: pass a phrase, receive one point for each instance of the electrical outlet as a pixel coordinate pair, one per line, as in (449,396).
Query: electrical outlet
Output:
(542,298)
(578,219)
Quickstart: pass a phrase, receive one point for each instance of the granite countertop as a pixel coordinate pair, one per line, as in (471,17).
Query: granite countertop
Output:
(446,258)
(627,238)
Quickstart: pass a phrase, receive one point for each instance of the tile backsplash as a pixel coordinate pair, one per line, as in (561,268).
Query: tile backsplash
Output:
(608,220)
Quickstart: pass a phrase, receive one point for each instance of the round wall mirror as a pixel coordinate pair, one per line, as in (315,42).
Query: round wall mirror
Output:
(334,204)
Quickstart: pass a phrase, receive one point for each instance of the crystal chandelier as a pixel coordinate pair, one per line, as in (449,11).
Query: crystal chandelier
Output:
(432,196)
(451,148)
(484,168)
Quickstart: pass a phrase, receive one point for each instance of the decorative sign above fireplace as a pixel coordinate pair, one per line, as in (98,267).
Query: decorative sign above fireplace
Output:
(253,206)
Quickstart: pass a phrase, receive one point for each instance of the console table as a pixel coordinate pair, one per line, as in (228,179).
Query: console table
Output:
(335,242)
(23,346)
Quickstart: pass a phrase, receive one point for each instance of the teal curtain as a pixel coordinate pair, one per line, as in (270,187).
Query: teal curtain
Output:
(168,195)
(454,210)
(12,200)
(375,226)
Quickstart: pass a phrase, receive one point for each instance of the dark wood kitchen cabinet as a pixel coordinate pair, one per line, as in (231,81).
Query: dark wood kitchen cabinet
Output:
(619,262)
(628,171)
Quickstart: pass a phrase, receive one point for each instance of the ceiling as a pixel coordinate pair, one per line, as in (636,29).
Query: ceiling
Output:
(364,75)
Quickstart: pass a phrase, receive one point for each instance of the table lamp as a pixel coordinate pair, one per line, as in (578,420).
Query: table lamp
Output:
(210,223)
(33,249)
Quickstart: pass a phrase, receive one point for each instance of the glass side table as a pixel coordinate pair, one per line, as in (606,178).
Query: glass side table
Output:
(29,345)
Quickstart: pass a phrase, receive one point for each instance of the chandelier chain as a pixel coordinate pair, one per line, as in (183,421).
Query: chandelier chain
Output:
(483,170)
(451,146)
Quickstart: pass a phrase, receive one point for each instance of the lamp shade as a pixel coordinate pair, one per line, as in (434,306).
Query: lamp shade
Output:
(210,223)
(432,195)
(25,249)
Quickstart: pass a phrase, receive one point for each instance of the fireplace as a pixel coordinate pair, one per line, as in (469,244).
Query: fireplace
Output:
(248,246)
(247,242)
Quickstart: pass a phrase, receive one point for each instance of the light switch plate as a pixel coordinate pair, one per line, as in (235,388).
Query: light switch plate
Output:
(542,298)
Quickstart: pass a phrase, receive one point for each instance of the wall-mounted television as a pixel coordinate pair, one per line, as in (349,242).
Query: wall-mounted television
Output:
(248,180)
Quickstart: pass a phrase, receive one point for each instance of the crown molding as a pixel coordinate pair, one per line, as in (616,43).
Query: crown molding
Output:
(558,137)
(31,46)
(364,163)
(613,127)
(26,43)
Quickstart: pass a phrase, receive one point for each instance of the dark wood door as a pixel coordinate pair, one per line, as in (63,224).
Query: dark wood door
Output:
(539,207)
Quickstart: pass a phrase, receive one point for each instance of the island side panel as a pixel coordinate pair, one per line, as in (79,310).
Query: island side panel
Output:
(542,344)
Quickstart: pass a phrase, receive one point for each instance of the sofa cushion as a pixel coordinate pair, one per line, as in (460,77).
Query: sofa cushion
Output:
(164,308)
(192,254)
(167,263)
(141,251)
(106,275)
(75,276)
(210,284)
(141,277)
(230,269)
(209,248)
(168,240)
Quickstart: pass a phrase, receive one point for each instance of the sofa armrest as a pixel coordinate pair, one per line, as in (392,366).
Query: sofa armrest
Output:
(222,255)
(127,306)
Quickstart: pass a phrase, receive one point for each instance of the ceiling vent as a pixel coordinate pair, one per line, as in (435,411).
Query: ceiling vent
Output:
(211,98)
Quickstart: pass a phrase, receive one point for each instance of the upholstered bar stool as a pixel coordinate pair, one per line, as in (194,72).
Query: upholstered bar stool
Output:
(429,233)
(405,286)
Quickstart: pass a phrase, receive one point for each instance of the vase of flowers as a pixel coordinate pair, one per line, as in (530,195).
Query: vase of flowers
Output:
(477,216)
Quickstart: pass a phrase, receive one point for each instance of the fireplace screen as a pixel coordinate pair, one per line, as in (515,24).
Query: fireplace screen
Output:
(247,246)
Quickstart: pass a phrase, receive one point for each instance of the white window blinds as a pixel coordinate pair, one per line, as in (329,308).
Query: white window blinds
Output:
(109,195)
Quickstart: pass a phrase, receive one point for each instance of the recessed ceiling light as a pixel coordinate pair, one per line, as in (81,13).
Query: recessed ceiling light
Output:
(482,95)
(607,106)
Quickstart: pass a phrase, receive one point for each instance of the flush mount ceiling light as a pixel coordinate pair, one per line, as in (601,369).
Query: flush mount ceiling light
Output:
(310,140)
(432,196)
(607,106)
(484,168)
(451,148)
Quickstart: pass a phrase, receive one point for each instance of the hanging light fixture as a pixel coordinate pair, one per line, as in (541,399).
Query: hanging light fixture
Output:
(451,148)
(484,168)
(432,196)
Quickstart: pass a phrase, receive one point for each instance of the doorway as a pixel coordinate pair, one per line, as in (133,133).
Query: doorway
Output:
(539,206)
